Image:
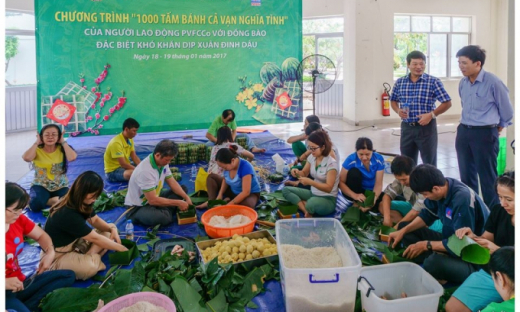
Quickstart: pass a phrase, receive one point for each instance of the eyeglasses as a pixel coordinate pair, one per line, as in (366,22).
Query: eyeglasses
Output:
(312,149)
(55,135)
(18,211)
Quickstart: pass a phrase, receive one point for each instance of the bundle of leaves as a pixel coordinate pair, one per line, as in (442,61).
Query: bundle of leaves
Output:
(193,287)
(364,230)
(108,201)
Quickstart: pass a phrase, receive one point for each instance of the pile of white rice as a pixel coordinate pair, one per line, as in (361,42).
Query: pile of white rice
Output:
(223,222)
(143,306)
(297,257)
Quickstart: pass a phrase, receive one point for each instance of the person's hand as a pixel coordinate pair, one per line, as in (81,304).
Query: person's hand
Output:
(465,231)
(402,114)
(395,237)
(414,250)
(114,234)
(364,209)
(486,244)
(46,261)
(188,200)
(183,206)
(122,248)
(305,181)
(397,226)
(62,139)
(500,129)
(387,221)
(14,284)
(38,139)
(425,119)
(359,197)
(295,172)
(219,197)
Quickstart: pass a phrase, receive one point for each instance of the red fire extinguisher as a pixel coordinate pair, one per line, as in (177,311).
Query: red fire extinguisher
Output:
(385,100)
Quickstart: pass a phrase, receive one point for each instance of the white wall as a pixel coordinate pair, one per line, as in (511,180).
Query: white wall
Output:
(320,8)
(374,48)
(20,5)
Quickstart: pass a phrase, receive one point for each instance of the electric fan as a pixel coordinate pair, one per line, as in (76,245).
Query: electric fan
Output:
(318,75)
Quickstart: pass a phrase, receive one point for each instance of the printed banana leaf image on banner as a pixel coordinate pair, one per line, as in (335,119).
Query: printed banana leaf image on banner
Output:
(469,250)
(163,62)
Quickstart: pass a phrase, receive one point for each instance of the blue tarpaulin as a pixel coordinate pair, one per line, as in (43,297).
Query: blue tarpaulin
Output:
(90,152)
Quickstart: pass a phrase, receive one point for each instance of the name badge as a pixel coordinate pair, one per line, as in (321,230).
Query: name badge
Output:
(449,213)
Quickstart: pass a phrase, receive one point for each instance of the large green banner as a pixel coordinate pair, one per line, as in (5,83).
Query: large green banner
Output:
(170,64)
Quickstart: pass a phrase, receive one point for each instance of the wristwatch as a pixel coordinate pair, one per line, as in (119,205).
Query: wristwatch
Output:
(429,246)
(433,115)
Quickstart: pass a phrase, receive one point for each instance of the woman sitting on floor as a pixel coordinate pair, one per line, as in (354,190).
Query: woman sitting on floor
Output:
(321,198)
(478,289)
(239,184)
(225,140)
(334,153)
(362,170)
(24,295)
(49,156)
(502,268)
(79,247)
(299,148)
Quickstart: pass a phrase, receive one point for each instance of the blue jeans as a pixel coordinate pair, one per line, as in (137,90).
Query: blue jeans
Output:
(29,298)
(40,196)
(116,175)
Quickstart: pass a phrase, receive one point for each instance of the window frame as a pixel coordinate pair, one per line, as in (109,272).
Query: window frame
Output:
(318,36)
(430,32)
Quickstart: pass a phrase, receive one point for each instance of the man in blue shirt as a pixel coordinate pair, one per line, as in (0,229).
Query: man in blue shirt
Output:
(457,206)
(486,110)
(418,127)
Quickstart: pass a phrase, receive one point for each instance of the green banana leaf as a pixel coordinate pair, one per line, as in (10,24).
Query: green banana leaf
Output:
(469,250)
(385,230)
(124,257)
(219,303)
(186,295)
(352,215)
(76,299)
(216,202)
(199,197)
(369,199)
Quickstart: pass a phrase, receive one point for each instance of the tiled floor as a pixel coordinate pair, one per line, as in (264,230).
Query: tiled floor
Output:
(344,136)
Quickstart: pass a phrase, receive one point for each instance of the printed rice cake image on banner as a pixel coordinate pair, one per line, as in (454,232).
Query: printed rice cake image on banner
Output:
(74,95)
(288,102)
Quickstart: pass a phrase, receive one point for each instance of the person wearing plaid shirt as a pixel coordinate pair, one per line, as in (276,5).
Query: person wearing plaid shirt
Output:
(420,91)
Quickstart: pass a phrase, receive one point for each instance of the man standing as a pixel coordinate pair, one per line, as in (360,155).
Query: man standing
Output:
(486,110)
(153,205)
(118,152)
(228,119)
(419,91)
(457,206)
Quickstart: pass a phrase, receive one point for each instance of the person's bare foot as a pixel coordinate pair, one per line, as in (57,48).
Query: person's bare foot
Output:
(290,183)
(258,150)
(202,206)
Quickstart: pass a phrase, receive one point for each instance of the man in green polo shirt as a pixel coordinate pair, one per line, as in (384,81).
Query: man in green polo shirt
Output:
(119,151)
(228,119)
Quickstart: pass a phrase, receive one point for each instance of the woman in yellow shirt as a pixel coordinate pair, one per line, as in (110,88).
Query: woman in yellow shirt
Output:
(49,156)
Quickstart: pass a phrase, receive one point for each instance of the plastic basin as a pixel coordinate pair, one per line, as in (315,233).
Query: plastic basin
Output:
(229,211)
(157,299)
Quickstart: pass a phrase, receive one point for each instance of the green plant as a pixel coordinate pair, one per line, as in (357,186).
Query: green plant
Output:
(11,49)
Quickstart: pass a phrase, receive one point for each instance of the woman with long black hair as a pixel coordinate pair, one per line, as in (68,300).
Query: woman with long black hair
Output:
(49,155)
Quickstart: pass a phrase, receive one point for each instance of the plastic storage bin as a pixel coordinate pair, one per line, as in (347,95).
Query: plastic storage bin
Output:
(156,299)
(228,211)
(391,280)
(316,290)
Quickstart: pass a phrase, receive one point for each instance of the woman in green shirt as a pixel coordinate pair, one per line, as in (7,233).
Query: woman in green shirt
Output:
(502,268)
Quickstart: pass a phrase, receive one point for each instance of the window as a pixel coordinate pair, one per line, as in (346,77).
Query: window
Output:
(325,36)
(438,37)
(20,49)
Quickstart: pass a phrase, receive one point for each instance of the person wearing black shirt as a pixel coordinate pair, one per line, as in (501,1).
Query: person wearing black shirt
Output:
(79,247)
(478,290)
(457,206)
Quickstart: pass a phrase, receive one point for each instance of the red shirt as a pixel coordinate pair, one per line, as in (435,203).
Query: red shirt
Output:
(14,246)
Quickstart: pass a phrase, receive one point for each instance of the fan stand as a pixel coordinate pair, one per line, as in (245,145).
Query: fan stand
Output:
(315,74)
